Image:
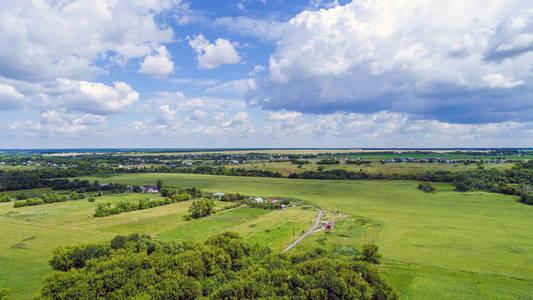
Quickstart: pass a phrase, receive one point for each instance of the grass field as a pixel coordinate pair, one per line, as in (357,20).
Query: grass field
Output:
(444,245)
(389,169)
(30,234)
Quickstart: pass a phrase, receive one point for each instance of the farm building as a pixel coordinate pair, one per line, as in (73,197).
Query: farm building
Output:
(218,194)
(259,200)
(149,189)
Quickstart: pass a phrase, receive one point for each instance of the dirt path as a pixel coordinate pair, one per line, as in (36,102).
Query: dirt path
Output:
(317,222)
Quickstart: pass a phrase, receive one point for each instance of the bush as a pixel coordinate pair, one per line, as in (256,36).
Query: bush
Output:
(29,202)
(426,187)
(527,198)
(5,198)
(4,293)
(370,253)
(91,199)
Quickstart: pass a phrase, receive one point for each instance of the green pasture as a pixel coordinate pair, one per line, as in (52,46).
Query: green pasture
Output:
(474,236)
(375,168)
(30,234)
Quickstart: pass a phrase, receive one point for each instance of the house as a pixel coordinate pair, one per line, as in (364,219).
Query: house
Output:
(282,206)
(273,200)
(327,224)
(259,200)
(149,189)
(218,194)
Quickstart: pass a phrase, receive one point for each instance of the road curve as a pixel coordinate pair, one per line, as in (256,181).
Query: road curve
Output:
(317,222)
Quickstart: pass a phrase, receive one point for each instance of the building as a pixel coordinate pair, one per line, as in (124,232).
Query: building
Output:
(149,189)
(218,194)
(259,200)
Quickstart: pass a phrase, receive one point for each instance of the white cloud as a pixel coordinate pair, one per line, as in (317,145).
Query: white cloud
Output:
(257,69)
(432,60)
(9,97)
(289,116)
(498,81)
(92,97)
(239,86)
(158,66)
(55,123)
(210,56)
(42,40)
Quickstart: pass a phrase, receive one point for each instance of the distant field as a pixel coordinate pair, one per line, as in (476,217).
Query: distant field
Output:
(446,245)
(286,168)
(300,151)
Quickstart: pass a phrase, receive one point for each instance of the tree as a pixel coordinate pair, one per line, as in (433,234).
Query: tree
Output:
(159,184)
(202,208)
(370,253)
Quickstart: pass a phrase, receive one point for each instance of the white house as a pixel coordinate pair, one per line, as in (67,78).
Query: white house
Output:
(218,194)
(259,200)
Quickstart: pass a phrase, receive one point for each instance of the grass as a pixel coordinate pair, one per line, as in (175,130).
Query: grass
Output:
(286,168)
(30,234)
(443,245)
(470,235)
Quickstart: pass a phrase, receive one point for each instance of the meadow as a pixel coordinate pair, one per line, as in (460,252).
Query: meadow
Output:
(443,245)
(375,168)
(30,234)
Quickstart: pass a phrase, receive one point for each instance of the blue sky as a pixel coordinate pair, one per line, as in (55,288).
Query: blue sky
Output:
(266,73)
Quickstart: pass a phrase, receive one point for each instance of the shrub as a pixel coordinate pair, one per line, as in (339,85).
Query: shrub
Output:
(4,293)
(527,198)
(426,187)
(29,202)
(5,198)
(370,253)
(91,199)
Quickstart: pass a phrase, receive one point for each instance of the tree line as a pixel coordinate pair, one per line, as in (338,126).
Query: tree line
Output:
(222,267)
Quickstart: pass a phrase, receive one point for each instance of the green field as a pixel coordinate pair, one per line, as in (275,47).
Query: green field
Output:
(444,245)
(30,234)
(375,168)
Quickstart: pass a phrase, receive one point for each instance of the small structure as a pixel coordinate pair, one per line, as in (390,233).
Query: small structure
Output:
(218,194)
(273,200)
(328,225)
(282,206)
(259,200)
(149,189)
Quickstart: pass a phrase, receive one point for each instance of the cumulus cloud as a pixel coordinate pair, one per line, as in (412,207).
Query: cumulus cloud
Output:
(42,40)
(9,97)
(212,55)
(54,123)
(92,97)
(158,66)
(454,61)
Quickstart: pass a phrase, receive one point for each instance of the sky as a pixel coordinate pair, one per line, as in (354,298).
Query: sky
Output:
(266,73)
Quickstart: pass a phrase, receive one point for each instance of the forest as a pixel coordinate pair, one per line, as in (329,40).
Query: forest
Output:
(223,267)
